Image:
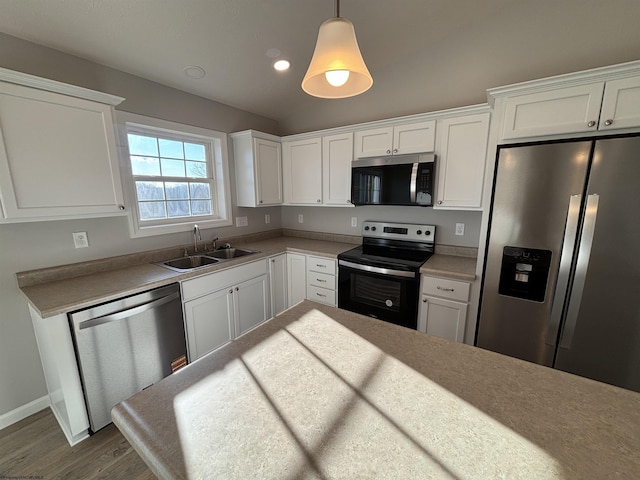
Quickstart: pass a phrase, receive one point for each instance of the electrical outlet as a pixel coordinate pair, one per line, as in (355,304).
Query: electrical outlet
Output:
(80,239)
(267,218)
(459,228)
(354,221)
(300,218)
(242,222)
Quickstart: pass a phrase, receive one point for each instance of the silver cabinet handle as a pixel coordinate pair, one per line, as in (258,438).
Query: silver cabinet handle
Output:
(383,271)
(591,124)
(121,207)
(566,254)
(388,151)
(608,122)
(439,202)
(129,312)
(445,289)
(582,263)
(320,294)
(320,280)
(320,266)
(395,150)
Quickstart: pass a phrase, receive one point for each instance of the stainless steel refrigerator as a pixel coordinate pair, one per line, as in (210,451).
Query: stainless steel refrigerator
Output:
(562,271)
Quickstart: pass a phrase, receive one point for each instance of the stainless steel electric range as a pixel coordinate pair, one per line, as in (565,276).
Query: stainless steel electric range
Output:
(381,277)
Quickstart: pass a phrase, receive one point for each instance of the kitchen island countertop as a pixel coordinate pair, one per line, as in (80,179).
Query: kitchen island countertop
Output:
(319,392)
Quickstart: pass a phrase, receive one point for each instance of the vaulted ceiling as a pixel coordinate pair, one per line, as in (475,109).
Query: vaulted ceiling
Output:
(424,55)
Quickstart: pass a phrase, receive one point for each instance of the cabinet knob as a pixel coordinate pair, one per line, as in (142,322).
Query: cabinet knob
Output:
(608,122)
(395,150)
(591,124)
(388,151)
(260,201)
(273,260)
(237,289)
(231,290)
(439,202)
(319,201)
(121,207)
(424,300)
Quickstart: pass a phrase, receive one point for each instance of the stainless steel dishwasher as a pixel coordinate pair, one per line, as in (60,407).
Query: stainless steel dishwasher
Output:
(127,345)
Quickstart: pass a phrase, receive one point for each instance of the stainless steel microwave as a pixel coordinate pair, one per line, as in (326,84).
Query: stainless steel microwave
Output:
(393,180)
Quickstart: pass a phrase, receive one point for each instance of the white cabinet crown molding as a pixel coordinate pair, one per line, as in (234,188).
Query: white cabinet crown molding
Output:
(19,78)
(601,74)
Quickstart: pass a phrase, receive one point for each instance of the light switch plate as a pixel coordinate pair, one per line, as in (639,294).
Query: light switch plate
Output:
(80,239)
(267,218)
(300,218)
(354,221)
(242,222)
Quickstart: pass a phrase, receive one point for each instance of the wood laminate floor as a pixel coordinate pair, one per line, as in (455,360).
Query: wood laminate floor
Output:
(36,448)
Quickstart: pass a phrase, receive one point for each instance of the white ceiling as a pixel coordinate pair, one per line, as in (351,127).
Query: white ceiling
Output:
(423,54)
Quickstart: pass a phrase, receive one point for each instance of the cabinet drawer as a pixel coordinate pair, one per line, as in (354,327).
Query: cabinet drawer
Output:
(199,286)
(322,280)
(442,287)
(321,295)
(322,265)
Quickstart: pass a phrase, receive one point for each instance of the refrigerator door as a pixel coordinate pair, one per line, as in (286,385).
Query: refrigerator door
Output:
(601,334)
(535,217)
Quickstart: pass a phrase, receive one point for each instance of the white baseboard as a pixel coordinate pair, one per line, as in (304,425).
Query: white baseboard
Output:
(24,411)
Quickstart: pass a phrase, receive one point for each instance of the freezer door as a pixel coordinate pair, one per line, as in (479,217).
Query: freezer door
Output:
(601,334)
(535,215)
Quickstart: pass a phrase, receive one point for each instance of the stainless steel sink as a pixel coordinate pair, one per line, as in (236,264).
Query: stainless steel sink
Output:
(184,264)
(229,253)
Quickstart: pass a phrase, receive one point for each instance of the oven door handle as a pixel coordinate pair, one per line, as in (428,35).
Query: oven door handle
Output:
(383,271)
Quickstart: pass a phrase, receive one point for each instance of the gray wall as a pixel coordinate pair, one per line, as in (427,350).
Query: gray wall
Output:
(28,246)
(338,220)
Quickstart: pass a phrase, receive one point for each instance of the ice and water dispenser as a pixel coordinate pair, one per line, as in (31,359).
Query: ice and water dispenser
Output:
(524,273)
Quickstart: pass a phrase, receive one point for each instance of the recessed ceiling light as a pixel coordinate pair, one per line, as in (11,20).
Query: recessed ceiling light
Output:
(193,71)
(281,65)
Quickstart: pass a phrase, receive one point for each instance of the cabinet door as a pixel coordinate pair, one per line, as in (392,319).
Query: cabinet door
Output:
(302,167)
(565,110)
(278,280)
(269,171)
(337,155)
(462,152)
(251,303)
(296,278)
(414,137)
(209,322)
(57,155)
(621,104)
(373,142)
(443,318)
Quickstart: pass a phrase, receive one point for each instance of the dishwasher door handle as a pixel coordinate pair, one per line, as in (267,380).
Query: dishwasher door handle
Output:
(113,317)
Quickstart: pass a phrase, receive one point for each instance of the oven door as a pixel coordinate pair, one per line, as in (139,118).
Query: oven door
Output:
(381,293)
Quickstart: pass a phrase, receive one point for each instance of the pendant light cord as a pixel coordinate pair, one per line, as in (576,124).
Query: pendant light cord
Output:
(337,8)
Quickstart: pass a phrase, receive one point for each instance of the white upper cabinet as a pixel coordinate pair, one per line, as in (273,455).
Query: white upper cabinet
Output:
(258,162)
(302,171)
(461,156)
(395,140)
(596,101)
(337,155)
(620,104)
(58,156)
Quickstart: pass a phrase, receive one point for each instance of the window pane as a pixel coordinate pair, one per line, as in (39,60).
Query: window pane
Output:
(145,166)
(200,190)
(170,148)
(177,190)
(172,168)
(179,208)
(152,210)
(201,207)
(141,145)
(150,190)
(196,169)
(193,151)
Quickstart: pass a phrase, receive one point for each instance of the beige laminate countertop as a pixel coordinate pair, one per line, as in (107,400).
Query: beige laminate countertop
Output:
(66,295)
(319,392)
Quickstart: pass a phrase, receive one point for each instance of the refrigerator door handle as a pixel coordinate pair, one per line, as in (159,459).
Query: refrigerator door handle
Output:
(582,263)
(568,246)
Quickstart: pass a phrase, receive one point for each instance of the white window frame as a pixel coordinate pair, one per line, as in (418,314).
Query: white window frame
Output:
(219,165)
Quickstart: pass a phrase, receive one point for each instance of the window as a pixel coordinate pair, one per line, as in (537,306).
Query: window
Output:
(178,176)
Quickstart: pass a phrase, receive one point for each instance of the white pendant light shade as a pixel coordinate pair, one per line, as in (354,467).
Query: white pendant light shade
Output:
(337,52)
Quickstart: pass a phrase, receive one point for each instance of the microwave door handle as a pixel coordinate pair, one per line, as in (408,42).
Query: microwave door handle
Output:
(414,181)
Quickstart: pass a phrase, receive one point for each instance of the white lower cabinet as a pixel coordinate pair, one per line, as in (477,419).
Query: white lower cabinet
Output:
(296,278)
(278,280)
(222,306)
(443,307)
(321,280)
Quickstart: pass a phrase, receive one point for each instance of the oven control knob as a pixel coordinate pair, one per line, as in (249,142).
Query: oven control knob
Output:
(419,232)
(428,232)
(373,229)
(366,228)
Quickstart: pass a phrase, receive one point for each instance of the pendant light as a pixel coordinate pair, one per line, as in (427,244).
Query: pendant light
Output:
(337,69)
